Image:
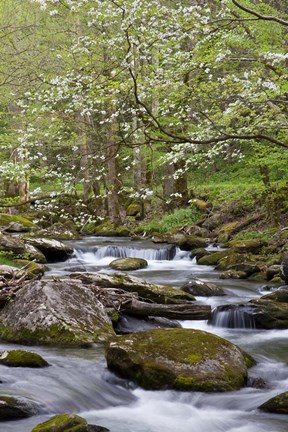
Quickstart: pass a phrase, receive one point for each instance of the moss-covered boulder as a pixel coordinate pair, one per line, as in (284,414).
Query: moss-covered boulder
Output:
(199,253)
(12,408)
(15,223)
(134,210)
(32,269)
(247,246)
(271,311)
(189,242)
(55,312)
(20,358)
(238,262)
(213,258)
(284,268)
(123,264)
(198,287)
(146,290)
(224,232)
(67,423)
(107,229)
(180,359)
(53,250)
(276,405)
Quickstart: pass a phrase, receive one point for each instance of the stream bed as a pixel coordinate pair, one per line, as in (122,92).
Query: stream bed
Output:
(78,381)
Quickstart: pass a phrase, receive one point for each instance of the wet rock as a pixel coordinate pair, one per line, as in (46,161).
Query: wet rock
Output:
(12,244)
(284,268)
(20,358)
(213,258)
(197,287)
(271,311)
(146,290)
(247,246)
(199,253)
(13,409)
(201,362)
(123,264)
(67,423)
(55,312)
(272,271)
(233,274)
(128,324)
(277,405)
(53,250)
(189,242)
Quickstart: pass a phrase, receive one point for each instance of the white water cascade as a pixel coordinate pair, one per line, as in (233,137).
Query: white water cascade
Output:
(77,380)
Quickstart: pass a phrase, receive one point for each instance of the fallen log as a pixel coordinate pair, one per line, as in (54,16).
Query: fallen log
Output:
(185,311)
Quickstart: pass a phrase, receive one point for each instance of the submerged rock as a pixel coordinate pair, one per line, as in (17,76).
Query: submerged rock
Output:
(20,358)
(58,312)
(197,287)
(180,359)
(128,264)
(67,423)
(13,409)
(277,405)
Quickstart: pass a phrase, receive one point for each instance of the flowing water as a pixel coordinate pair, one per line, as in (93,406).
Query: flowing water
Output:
(78,381)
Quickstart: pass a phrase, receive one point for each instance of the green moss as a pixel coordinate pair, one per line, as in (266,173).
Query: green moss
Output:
(63,423)
(54,335)
(19,358)
(6,219)
(201,362)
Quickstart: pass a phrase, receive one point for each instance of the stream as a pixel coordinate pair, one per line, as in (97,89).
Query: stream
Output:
(78,381)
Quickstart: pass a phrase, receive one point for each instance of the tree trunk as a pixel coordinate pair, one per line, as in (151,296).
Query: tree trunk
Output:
(185,311)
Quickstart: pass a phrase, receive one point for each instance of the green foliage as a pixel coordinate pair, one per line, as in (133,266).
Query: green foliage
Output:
(169,222)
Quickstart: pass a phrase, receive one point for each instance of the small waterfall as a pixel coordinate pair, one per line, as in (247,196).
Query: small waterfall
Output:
(164,254)
(232,317)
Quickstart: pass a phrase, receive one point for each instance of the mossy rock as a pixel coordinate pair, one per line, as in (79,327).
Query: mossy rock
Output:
(20,358)
(12,408)
(201,362)
(66,423)
(33,269)
(271,310)
(199,253)
(189,242)
(247,246)
(157,293)
(232,259)
(277,405)
(48,313)
(107,229)
(225,231)
(134,209)
(128,264)
(233,274)
(213,258)
(60,231)
(16,223)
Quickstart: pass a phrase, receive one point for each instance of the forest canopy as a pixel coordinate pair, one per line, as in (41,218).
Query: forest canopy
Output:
(111,99)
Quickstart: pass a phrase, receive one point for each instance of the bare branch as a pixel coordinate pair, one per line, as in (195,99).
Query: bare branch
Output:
(260,16)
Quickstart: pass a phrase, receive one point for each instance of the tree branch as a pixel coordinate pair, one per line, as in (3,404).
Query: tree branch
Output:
(259,16)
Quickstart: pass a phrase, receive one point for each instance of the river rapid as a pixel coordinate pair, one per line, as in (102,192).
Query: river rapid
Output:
(78,381)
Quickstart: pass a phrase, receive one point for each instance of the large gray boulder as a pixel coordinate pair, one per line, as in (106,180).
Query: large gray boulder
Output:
(53,250)
(12,408)
(180,359)
(58,312)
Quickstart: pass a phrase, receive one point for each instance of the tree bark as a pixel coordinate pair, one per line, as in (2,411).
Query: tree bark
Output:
(174,311)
